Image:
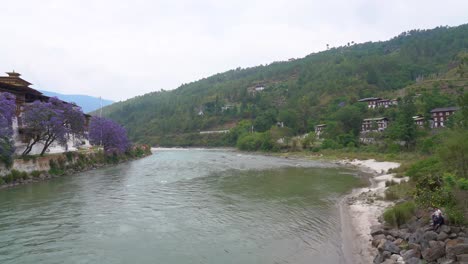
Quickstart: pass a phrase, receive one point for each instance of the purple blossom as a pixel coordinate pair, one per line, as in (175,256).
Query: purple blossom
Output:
(109,134)
(7,112)
(51,121)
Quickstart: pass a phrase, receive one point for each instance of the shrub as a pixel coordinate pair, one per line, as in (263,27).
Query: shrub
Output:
(399,214)
(35,174)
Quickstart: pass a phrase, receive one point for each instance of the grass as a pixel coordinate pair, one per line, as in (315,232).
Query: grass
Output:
(400,213)
(403,190)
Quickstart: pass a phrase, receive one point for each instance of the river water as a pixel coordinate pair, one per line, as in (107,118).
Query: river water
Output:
(180,206)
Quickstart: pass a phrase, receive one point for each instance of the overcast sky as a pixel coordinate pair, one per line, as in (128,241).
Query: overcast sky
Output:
(118,49)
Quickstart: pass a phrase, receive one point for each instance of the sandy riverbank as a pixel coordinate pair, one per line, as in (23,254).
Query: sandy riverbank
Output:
(360,209)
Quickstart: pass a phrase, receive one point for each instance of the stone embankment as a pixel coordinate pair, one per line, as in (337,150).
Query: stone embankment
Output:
(417,242)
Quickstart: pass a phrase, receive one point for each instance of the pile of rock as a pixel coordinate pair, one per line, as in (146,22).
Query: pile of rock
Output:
(418,243)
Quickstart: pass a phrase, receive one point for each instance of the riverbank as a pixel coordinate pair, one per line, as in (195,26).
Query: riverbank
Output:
(361,209)
(39,168)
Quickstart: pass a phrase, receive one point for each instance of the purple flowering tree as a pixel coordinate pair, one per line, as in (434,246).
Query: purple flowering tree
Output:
(109,134)
(7,112)
(51,121)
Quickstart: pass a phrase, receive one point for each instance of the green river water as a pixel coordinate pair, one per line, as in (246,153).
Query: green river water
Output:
(180,206)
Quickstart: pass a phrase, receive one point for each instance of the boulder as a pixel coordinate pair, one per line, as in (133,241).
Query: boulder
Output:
(390,238)
(414,246)
(445,229)
(376,230)
(398,241)
(462,234)
(433,253)
(378,259)
(442,236)
(455,229)
(394,257)
(376,240)
(416,237)
(463,258)
(414,261)
(381,244)
(386,254)
(453,235)
(456,249)
(391,247)
(412,253)
(430,235)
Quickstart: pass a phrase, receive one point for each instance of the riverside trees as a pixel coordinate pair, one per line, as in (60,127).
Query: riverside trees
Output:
(7,112)
(109,134)
(51,121)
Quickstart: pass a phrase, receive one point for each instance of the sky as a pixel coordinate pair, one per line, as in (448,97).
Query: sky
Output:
(119,49)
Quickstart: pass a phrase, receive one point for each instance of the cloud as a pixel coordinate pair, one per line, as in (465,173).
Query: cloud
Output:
(119,49)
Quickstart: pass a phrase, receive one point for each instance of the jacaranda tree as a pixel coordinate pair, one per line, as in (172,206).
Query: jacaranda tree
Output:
(109,134)
(51,121)
(7,112)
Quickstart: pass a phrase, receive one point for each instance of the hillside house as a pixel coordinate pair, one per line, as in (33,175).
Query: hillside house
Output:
(377,102)
(226,107)
(25,95)
(440,115)
(319,129)
(378,124)
(255,89)
(419,120)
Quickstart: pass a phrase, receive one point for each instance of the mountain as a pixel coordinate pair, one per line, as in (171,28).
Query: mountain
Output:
(300,93)
(87,103)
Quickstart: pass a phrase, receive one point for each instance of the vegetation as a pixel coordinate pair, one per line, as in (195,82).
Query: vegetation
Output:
(7,111)
(424,68)
(400,213)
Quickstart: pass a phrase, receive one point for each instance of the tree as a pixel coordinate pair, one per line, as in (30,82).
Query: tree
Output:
(7,112)
(109,134)
(404,128)
(51,121)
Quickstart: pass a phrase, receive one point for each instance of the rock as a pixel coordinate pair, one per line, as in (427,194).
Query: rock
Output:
(376,230)
(462,258)
(381,245)
(433,253)
(412,253)
(430,235)
(456,249)
(445,229)
(390,238)
(376,240)
(445,261)
(461,234)
(414,261)
(453,235)
(398,241)
(455,229)
(378,259)
(414,246)
(395,257)
(386,254)
(391,247)
(416,237)
(388,261)
(442,236)
(433,243)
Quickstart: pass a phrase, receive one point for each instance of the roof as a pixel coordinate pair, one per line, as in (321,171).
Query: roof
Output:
(444,109)
(369,99)
(18,89)
(321,125)
(376,119)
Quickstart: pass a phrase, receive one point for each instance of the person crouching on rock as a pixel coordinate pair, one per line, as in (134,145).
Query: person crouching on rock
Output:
(437,219)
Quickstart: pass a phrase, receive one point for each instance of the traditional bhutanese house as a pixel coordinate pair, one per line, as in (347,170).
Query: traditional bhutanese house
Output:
(371,101)
(25,95)
(441,115)
(374,124)
(418,120)
(319,129)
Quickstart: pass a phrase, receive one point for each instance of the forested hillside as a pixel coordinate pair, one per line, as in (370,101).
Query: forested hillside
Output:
(302,93)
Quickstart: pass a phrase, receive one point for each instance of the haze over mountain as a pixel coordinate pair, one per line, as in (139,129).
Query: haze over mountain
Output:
(87,103)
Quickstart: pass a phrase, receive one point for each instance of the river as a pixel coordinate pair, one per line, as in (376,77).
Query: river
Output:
(181,206)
